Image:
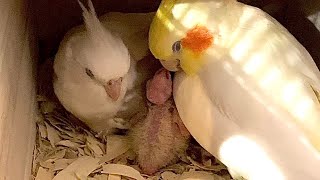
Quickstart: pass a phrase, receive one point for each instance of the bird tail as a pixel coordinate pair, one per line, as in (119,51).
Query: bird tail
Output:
(93,26)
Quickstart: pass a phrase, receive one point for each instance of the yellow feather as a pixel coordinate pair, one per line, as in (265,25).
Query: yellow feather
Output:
(191,62)
(159,29)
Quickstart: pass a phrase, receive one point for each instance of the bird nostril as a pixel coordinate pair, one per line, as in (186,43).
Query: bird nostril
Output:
(110,82)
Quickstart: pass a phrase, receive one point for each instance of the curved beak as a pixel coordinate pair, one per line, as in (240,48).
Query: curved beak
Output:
(113,88)
(171,65)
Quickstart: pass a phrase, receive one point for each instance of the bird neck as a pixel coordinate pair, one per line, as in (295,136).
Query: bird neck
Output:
(191,62)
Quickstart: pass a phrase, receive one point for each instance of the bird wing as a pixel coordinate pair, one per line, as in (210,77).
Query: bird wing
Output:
(255,31)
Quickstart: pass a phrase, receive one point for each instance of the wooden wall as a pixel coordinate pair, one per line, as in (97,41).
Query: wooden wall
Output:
(17,90)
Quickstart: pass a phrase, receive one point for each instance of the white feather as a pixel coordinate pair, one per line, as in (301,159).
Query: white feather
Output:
(95,47)
(253,104)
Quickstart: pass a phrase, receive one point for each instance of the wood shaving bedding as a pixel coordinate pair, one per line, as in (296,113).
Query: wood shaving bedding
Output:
(67,149)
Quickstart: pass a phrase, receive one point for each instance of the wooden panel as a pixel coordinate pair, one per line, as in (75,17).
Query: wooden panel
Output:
(17,91)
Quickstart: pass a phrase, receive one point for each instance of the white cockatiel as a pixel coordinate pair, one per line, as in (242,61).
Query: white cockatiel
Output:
(94,68)
(246,89)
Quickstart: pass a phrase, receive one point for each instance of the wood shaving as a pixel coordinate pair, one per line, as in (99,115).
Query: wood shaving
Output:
(44,174)
(61,164)
(42,130)
(52,135)
(68,143)
(114,177)
(198,175)
(54,155)
(116,146)
(95,146)
(123,170)
(67,149)
(208,168)
(99,177)
(71,154)
(79,169)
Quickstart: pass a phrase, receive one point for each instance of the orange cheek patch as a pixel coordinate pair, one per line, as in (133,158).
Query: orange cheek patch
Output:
(198,39)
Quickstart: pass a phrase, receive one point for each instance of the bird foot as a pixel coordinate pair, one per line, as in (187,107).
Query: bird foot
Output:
(123,108)
(115,125)
(118,123)
(129,97)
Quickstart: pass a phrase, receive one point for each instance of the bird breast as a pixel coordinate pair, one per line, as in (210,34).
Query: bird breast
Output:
(87,101)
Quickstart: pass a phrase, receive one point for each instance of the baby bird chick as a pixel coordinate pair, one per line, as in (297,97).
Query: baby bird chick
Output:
(161,138)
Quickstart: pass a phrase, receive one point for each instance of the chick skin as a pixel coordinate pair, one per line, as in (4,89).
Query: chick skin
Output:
(161,138)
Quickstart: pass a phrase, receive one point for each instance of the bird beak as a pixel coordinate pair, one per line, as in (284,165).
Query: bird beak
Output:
(113,88)
(171,65)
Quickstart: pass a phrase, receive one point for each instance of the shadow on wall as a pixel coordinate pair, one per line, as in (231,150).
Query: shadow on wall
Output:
(55,17)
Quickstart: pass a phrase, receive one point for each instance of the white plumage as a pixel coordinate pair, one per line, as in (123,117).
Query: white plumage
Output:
(254,100)
(94,70)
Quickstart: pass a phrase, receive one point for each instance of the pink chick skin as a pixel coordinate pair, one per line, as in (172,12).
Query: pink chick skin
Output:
(161,138)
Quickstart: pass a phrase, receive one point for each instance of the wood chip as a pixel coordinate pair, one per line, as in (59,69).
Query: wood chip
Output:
(44,174)
(61,164)
(44,145)
(87,151)
(216,168)
(114,177)
(42,130)
(46,164)
(94,146)
(101,177)
(116,146)
(81,152)
(199,175)
(80,168)
(68,143)
(123,170)
(169,176)
(71,154)
(70,150)
(207,163)
(175,168)
(54,155)
(53,135)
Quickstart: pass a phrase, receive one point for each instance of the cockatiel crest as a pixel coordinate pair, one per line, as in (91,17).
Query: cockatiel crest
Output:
(99,41)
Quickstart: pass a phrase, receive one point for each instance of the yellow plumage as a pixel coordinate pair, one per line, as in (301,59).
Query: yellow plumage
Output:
(256,83)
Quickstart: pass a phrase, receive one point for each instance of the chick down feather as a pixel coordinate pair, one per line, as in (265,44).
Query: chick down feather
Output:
(161,138)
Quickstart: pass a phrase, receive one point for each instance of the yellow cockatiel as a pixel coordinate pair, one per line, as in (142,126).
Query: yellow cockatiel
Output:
(245,88)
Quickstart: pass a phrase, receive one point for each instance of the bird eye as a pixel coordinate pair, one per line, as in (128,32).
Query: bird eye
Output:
(121,79)
(176,46)
(89,73)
